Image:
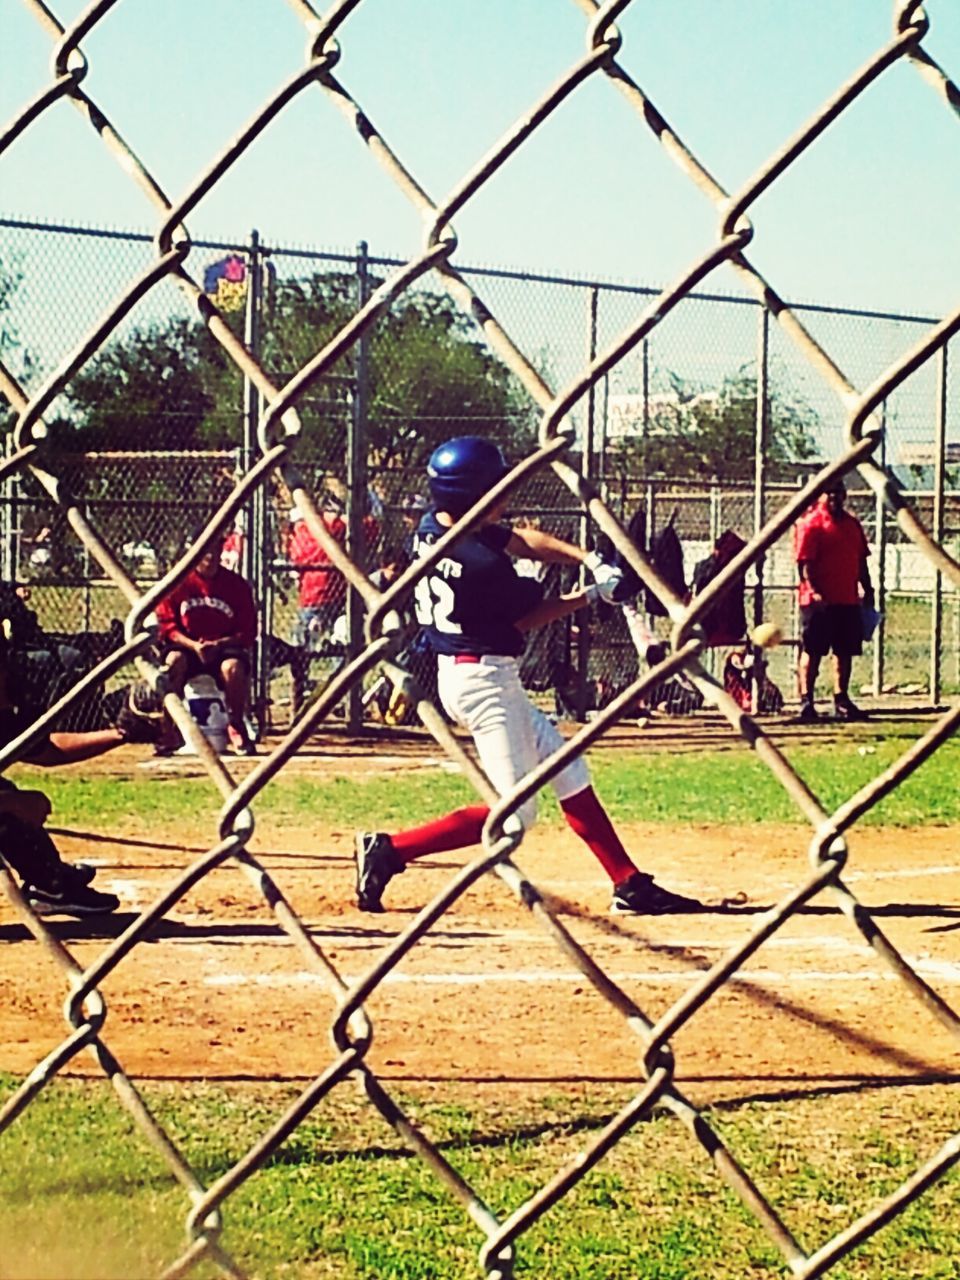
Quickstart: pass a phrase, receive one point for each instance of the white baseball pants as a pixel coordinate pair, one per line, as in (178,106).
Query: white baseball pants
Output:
(511,735)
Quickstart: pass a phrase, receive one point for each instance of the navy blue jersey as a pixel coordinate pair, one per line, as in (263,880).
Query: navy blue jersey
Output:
(470,600)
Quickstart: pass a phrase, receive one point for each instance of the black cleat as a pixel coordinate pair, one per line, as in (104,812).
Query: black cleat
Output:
(640,896)
(808,713)
(377,864)
(845,709)
(72,900)
(78,873)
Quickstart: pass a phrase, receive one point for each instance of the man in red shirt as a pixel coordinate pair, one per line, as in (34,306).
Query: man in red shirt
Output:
(832,558)
(322,590)
(322,587)
(208,624)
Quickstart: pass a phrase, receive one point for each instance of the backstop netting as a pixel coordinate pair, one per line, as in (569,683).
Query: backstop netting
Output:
(283,397)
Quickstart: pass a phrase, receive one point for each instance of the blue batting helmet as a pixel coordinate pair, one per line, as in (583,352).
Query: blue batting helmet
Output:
(463,470)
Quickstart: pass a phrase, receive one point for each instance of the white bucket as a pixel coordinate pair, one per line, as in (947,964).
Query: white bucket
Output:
(204,699)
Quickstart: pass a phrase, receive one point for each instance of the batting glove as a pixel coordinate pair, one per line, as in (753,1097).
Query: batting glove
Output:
(607,577)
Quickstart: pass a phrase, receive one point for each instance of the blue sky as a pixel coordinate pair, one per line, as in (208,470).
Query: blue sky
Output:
(867,218)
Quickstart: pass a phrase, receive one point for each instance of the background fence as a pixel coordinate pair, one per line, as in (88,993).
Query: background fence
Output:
(681,379)
(161,428)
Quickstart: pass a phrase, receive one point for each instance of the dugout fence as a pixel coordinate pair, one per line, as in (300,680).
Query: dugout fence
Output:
(365,426)
(280,389)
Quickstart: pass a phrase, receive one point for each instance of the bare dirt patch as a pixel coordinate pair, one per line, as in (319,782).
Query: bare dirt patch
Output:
(219,990)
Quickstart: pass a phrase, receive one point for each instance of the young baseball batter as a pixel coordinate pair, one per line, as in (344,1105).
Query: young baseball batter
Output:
(477,610)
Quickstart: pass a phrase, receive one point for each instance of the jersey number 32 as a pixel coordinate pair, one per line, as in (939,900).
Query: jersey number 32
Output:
(434,602)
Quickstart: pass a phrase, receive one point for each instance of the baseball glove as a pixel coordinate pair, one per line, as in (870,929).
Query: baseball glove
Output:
(141,716)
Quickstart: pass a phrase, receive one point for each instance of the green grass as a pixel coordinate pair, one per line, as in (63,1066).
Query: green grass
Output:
(85,1196)
(700,787)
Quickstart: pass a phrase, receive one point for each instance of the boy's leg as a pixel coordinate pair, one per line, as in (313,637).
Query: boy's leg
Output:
(30,851)
(50,885)
(634,891)
(482,698)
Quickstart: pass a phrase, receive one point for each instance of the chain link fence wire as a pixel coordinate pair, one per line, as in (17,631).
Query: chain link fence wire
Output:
(290,400)
(147,501)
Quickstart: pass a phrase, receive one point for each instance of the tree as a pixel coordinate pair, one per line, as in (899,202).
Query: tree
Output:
(149,390)
(697,432)
(11,277)
(429,376)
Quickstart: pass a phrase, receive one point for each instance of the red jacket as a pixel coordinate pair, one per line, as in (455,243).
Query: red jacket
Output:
(210,609)
(321,582)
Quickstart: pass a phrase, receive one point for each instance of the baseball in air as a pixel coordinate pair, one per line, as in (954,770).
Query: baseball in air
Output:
(766,635)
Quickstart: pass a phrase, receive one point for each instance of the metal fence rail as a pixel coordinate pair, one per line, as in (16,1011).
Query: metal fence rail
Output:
(279,403)
(147,502)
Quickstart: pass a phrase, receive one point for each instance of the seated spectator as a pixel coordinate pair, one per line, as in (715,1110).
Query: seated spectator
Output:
(41,554)
(745,679)
(208,625)
(49,664)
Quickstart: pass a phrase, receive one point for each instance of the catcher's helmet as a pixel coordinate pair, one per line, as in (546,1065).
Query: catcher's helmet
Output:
(462,470)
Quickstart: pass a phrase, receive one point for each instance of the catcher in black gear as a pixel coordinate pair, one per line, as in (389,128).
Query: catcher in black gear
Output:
(50,885)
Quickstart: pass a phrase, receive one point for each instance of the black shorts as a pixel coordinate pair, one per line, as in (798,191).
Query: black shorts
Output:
(197,668)
(826,627)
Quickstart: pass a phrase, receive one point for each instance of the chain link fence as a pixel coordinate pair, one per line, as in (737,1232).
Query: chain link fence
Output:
(290,410)
(148,500)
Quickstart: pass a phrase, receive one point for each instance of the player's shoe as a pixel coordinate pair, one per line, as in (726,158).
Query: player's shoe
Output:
(808,713)
(78,873)
(845,709)
(377,864)
(240,742)
(641,896)
(70,900)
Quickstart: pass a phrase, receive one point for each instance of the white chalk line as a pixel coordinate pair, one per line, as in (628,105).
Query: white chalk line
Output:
(826,942)
(902,873)
(135,891)
(944,970)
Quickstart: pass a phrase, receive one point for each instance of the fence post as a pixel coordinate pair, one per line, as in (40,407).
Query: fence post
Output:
(760,473)
(586,469)
(715,508)
(602,442)
(939,475)
(645,374)
(880,586)
(9,524)
(357,484)
(252,563)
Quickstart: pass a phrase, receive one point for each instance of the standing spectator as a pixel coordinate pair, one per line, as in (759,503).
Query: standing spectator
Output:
(322,588)
(208,624)
(832,560)
(231,557)
(528,566)
(411,513)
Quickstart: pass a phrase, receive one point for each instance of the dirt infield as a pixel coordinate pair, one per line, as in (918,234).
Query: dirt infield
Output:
(220,991)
